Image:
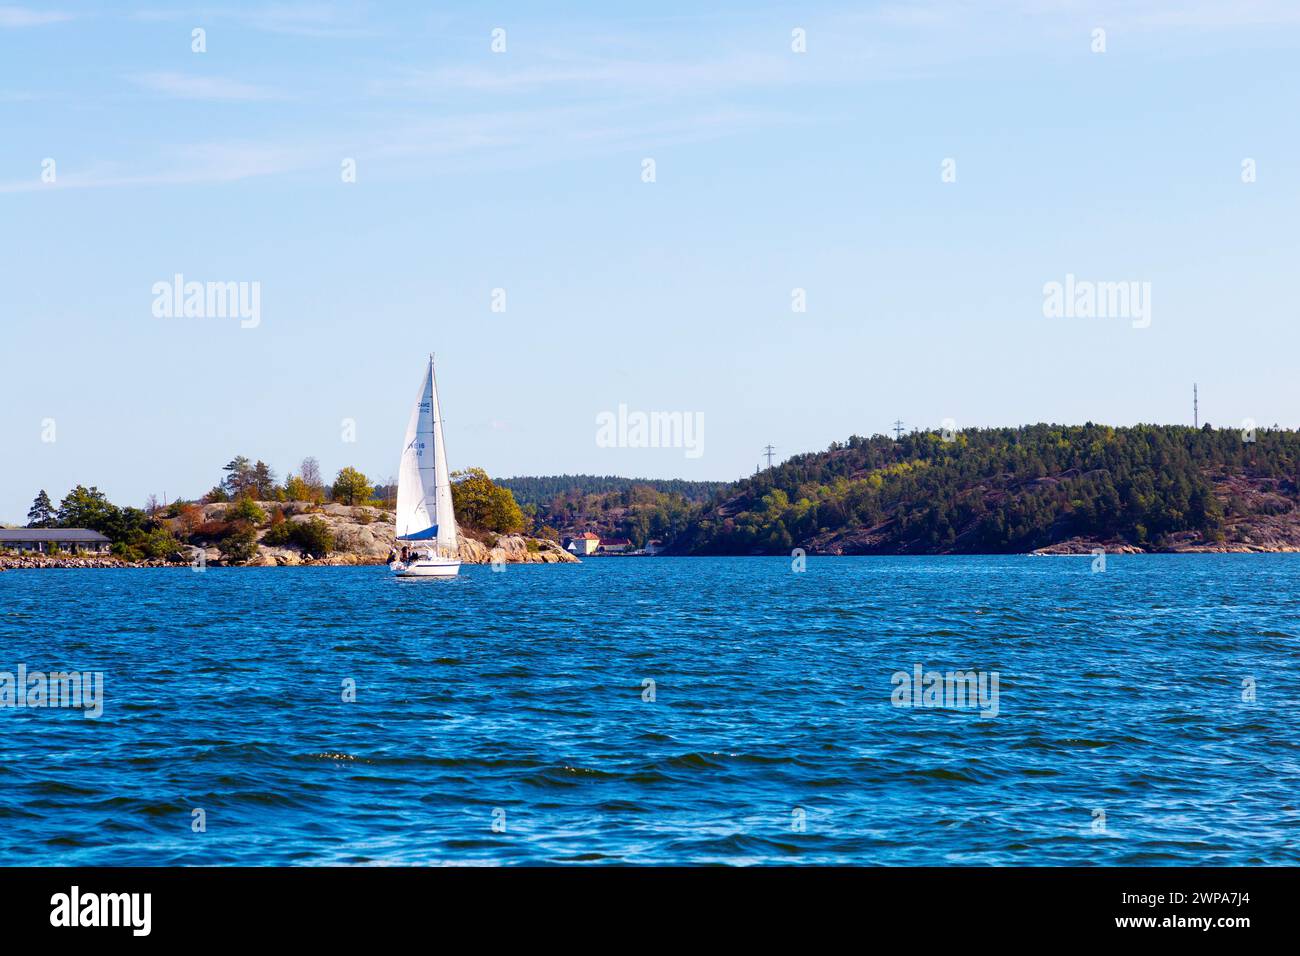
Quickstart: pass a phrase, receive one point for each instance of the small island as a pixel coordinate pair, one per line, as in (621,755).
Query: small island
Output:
(251,519)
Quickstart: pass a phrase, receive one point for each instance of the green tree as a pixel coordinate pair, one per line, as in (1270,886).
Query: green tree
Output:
(42,513)
(241,478)
(295,489)
(90,508)
(264,481)
(482,504)
(351,486)
(84,507)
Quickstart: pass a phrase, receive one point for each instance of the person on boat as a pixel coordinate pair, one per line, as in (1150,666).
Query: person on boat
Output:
(406,555)
(392,555)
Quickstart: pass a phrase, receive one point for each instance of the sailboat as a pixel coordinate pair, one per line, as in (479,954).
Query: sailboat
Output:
(426,523)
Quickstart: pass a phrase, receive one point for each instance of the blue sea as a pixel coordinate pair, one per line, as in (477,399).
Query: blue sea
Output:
(661,711)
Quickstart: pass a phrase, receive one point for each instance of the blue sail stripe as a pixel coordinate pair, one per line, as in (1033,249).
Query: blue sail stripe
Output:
(424,535)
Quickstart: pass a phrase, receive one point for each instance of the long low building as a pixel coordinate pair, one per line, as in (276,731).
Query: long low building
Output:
(47,539)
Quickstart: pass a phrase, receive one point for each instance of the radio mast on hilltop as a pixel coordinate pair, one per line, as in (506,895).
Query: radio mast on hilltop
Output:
(767,450)
(898,429)
(1196,408)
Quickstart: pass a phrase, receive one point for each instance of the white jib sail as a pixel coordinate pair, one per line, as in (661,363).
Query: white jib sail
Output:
(424,509)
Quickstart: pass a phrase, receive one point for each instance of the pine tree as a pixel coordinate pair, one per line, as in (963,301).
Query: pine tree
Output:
(42,513)
(240,477)
(263,481)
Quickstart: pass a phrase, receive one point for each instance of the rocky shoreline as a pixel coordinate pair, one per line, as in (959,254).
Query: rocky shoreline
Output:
(514,551)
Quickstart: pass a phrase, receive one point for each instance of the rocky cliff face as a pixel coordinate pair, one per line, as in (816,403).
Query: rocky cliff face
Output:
(364,535)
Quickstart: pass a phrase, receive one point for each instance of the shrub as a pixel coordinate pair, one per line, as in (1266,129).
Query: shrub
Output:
(279,536)
(312,537)
(126,552)
(191,517)
(240,546)
(212,529)
(246,509)
(157,544)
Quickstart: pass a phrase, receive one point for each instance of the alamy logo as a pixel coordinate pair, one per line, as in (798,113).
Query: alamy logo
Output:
(651,430)
(70,689)
(75,908)
(1084,299)
(179,299)
(953,690)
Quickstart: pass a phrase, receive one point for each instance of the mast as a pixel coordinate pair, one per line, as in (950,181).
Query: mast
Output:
(446,517)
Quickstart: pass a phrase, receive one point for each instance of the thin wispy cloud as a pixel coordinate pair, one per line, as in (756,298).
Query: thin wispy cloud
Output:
(598,76)
(1210,15)
(187,86)
(15,17)
(312,20)
(525,138)
(565,95)
(947,15)
(190,164)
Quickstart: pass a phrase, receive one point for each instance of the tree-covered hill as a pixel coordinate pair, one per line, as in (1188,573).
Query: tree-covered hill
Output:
(999,490)
(638,511)
(543,490)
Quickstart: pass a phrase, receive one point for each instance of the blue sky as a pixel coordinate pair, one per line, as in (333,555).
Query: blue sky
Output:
(522,171)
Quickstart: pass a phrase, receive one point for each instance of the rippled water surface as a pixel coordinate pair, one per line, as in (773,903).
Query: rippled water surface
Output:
(1122,736)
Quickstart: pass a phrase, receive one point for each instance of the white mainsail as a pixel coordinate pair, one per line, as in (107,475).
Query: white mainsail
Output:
(424,509)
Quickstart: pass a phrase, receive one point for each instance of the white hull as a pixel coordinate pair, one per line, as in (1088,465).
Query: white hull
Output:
(427,568)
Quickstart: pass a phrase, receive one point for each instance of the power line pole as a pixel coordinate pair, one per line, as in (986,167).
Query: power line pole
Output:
(1196,408)
(767,450)
(898,429)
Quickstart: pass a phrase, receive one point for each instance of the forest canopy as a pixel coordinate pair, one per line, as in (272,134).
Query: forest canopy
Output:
(994,490)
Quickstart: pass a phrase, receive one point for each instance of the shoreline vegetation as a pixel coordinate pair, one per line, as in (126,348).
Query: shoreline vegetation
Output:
(1045,489)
